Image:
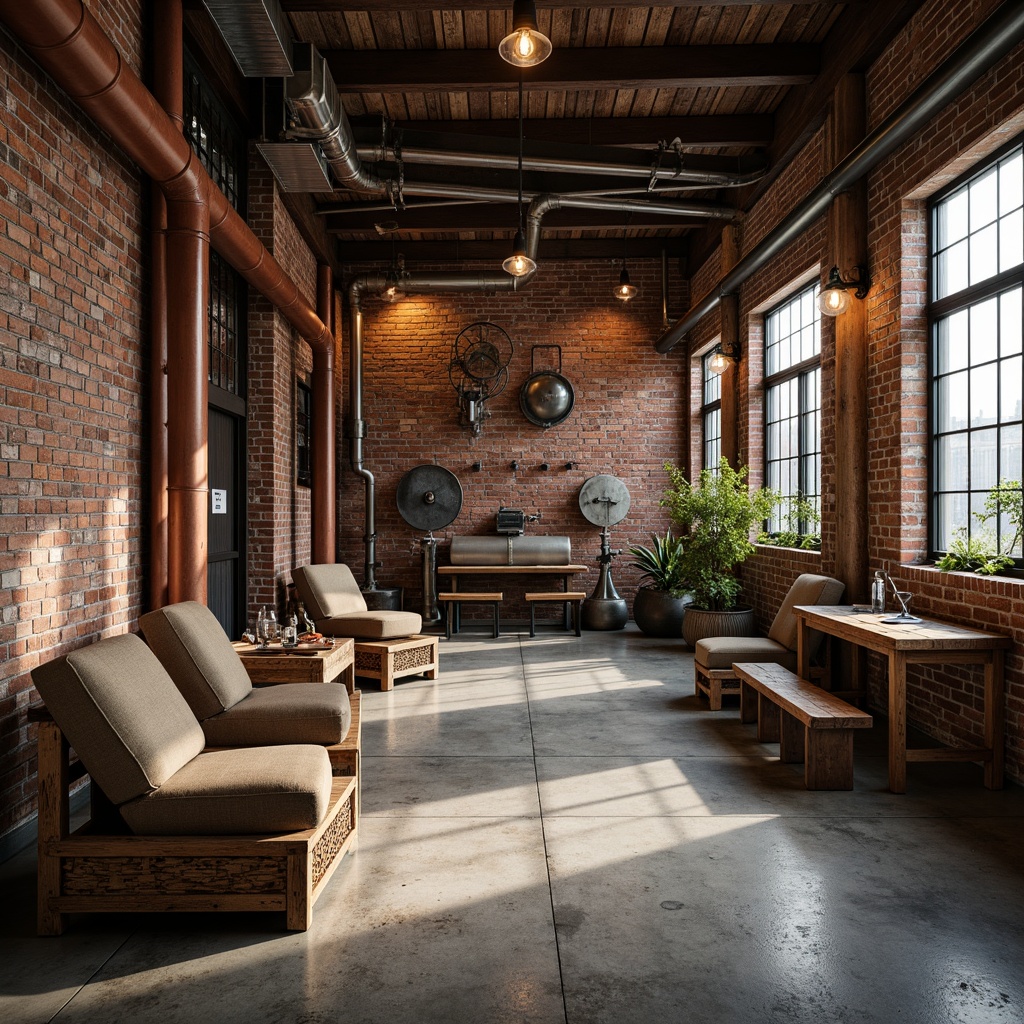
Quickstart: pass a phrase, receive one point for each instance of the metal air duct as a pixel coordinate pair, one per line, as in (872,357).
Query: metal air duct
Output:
(257,34)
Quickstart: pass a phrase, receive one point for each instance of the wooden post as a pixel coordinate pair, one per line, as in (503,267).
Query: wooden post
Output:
(730,326)
(847,248)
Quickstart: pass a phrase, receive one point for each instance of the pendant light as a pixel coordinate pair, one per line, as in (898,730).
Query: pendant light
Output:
(624,290)
(525,45)
(519,263)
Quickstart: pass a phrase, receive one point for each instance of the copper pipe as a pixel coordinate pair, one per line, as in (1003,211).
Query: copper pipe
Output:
(71,46)
(168,78)
(322,497)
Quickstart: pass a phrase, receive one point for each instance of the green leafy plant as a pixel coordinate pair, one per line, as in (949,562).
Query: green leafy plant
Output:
(661,564)
(800,512)
(717,514)
(988,551)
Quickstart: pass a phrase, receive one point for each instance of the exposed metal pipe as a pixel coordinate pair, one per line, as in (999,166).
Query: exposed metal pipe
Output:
(986,45)
(490,161)
(69,44)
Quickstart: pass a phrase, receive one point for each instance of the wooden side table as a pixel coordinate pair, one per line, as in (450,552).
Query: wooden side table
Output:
(300,666)
(388,660)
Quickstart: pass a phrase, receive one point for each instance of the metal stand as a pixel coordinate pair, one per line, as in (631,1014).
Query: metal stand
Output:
(604,609)
(431,613)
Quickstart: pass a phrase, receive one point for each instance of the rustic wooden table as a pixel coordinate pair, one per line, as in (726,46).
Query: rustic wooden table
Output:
(302,665)
(923,643)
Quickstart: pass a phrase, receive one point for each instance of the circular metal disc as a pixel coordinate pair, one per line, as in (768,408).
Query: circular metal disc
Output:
(604,500)
(546,398)
(429,497)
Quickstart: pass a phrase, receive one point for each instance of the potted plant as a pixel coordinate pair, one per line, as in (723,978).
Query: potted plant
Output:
(717,515)
(662,598)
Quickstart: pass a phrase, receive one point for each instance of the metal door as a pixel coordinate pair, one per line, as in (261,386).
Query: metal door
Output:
(226,594)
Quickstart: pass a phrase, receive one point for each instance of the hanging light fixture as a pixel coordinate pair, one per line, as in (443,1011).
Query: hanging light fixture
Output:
(519,263)
(525,45)
(624,290)
(835,296)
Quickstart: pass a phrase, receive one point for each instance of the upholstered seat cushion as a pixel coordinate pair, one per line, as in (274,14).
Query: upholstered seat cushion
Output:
(122,713)
(379,625)
(333,599)
(198,655)
(286,713)
(723,651)
(246,791)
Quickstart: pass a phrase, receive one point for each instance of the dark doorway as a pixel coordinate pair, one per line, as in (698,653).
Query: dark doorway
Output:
(226,584)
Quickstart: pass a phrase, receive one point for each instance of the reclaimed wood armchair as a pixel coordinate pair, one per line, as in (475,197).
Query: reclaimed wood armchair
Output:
(713,657)
(176,827)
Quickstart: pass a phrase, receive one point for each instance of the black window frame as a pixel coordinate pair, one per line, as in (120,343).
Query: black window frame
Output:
(710,411)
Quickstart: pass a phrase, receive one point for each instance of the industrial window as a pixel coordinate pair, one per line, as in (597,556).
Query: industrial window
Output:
(710,414)
(793,412)
(977,274)
(303,433)
(221,146)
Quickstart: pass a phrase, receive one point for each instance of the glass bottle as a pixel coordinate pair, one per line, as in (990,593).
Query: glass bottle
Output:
(270,623)
(878,593)
(261,627)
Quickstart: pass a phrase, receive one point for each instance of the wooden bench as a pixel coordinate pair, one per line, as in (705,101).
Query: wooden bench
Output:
(567,598)
(809,723)
(455,599)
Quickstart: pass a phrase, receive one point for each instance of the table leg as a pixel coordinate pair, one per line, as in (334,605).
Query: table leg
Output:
(565,605)
(994,719)
(898,722)
(803,648)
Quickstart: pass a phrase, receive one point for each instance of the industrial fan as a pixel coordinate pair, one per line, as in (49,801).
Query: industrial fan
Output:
(478,369)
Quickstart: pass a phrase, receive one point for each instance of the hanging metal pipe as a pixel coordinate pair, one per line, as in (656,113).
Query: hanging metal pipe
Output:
(986,45)
(490,161)
(322,496)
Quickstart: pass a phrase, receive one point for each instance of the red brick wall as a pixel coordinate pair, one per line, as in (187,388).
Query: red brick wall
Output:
(72,390)
(944,702)
(626,421)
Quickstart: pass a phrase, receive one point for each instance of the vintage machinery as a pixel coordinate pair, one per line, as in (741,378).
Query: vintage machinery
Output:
(546,398)
(478,369)
(429,498)
(604,501)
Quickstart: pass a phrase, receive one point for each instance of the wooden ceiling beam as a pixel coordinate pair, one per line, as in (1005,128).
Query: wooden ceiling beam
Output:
(492,217)
(747,130)
(614,67)
(372,6)
(427,255)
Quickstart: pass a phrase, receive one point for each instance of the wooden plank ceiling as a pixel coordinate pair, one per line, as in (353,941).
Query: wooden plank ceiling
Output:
(733,86)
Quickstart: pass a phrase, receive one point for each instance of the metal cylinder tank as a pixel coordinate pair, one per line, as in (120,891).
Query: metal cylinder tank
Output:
(511,550)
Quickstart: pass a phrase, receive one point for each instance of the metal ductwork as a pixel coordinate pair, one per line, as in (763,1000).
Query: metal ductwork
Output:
(257,33)
(969,61)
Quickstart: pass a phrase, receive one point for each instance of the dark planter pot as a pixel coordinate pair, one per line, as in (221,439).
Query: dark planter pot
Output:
(658,613)
(698,624)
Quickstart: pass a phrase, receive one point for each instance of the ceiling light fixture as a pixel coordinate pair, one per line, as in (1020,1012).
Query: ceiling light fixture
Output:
(525,45)
(835,296)
(519,263)
(624,290)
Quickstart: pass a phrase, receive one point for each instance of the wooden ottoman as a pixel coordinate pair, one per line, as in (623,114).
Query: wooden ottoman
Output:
(388,660)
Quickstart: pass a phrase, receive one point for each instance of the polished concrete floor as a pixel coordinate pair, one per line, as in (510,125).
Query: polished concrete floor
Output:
(557,831)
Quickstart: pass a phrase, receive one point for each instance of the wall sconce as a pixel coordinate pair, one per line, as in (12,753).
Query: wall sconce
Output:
(525,45)
(722,359)
(835,296)
(392,290)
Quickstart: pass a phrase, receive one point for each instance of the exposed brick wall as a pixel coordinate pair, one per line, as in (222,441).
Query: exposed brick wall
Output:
(72,389)
(626,421)
(945,702)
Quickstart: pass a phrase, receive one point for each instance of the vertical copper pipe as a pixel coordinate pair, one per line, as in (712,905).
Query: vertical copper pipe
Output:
(168,78)
(323,491)
(188,257)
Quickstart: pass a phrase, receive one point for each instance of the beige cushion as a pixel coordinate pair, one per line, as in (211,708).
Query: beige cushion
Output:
(722,651)
(198,655)
(328,590)
(122,713)
(249,791)
(806,589)
(379,625)
(286,713)
(337,606)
